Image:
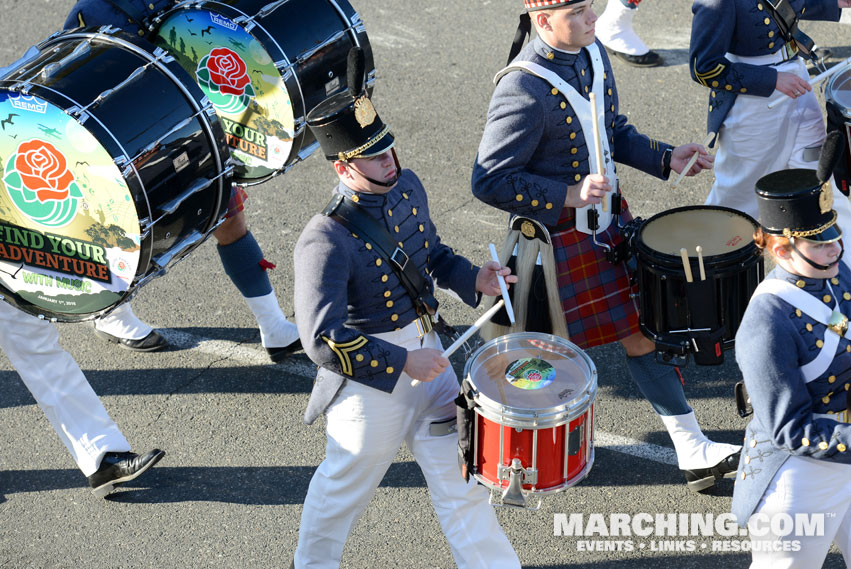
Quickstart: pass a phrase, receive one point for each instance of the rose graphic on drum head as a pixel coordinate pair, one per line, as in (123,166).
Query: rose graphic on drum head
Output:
(223,76)
(40,184)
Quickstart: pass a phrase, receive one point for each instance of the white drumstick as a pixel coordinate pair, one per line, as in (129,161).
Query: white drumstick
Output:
(814,81)
(467,333)
(686,265)
(502,288)
(700,262)
(692,160)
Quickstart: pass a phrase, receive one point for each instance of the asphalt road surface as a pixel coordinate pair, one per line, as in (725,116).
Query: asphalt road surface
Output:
(229,492)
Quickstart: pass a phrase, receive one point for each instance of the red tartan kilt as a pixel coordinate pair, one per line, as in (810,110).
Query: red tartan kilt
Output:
(236,203)
(595,294)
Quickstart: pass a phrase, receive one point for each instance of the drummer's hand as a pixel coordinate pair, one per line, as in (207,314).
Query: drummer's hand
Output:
(425,364)
(486,281)
(791,85)
(589,190)
(682,154)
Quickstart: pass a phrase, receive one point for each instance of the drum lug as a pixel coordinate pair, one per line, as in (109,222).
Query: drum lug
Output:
(162,55)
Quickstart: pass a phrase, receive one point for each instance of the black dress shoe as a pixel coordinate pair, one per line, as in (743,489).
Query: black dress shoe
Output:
(150,343)
(277,355)
(119,467)
(649,59)
(701,479)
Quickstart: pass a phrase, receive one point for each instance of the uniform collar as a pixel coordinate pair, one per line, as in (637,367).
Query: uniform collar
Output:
(362,198)
(543,49)
(806,283)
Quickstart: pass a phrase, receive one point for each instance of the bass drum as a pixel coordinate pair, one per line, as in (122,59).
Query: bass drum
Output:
(113,169)
(264,65)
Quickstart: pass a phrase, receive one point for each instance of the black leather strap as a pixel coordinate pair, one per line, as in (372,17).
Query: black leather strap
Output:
(351,216)
(787,20)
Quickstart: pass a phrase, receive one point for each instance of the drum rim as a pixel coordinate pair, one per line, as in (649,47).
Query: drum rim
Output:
(830,88)
(644,251)
(522,417)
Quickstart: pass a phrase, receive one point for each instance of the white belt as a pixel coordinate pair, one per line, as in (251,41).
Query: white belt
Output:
(406,335)
(785,53)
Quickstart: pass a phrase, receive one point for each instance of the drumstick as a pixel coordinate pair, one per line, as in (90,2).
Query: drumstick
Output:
(467,333)
(814,81)
(502,288)
(700,262)
(692,160)
(598,148)
(686,265)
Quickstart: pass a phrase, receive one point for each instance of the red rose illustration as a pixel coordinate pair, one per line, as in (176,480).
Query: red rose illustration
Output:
(228,71)
(43,170)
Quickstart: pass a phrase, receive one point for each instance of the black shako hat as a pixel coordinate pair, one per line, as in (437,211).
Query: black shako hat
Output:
(346,125)
(794,203)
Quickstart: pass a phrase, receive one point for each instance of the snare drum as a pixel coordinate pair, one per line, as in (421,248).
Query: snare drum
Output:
(264,64)
(533,430)
(837,97)
(113,169)
(700,317)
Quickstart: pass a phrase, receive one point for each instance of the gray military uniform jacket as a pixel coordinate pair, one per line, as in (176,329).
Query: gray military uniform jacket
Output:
(345,292)
(774,344)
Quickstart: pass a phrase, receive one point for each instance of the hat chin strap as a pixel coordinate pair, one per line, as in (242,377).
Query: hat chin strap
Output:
(813,263)
(389,184)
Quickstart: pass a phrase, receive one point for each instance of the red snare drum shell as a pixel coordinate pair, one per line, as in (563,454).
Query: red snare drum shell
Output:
(534,397)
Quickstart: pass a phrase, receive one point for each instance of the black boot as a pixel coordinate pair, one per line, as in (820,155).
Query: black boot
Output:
(700,479)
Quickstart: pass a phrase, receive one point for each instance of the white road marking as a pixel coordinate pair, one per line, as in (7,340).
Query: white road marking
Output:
(257,356)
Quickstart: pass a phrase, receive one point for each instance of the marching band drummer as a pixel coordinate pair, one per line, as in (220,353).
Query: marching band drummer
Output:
(240,254)
(534,161)
(738,52)
(794,351)
(371,335)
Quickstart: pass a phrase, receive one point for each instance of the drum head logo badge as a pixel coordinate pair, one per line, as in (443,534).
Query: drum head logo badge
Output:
(825,199)
(223,76)
(530,373)
(364,112)
(40,184)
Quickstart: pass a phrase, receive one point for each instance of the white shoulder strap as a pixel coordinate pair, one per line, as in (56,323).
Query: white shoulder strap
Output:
(816,310)
(582,108)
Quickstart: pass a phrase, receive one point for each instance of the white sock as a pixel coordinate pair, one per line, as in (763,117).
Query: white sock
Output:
(615,30)
(123,323)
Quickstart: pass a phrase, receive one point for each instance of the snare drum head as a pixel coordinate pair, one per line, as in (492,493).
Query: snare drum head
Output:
(69,230)
(242,82)
(530,372)
(839,91)
(717,230)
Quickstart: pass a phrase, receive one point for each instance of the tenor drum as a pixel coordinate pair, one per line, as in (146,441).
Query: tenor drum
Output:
(264,65)
(113,169)
(837,97)
(533,430)
(699,317)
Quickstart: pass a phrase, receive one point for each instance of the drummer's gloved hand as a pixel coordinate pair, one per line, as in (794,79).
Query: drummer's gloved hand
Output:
(425,364)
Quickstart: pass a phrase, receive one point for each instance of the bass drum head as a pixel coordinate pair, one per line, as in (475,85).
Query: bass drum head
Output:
(69,230)
(717,230)
(530,376)
(263,69)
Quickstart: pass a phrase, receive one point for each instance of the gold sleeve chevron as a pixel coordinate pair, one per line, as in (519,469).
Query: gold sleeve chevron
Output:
(703,78)
(343,351)
(654,144)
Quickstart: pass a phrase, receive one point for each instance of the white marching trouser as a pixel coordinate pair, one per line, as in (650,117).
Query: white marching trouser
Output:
(59,387)
(755,140)
(365,428)
(803,485)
